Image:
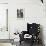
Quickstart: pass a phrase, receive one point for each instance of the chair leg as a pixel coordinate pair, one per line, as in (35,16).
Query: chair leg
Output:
(32,42)
(20,42)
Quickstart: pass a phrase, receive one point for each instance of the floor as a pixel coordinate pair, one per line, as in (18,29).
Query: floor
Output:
(27,44)
(5,44)
(23,44)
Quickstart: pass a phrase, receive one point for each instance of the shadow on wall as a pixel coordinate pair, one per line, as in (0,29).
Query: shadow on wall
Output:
(41,34)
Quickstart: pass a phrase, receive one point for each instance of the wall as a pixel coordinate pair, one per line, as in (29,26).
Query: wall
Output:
(3,1)
(34,11)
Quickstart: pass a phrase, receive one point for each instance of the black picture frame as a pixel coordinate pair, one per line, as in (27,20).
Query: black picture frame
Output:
(20,13)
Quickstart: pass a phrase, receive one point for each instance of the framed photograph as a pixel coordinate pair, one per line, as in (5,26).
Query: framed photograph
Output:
(20,13)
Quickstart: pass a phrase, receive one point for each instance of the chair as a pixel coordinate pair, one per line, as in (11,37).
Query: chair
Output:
(33,30)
